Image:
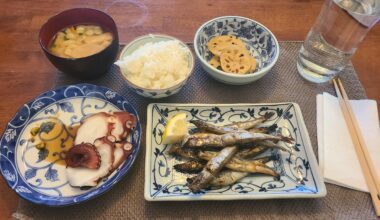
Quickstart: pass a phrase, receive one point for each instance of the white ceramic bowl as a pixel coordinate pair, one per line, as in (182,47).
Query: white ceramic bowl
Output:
(259,39)
(155,93)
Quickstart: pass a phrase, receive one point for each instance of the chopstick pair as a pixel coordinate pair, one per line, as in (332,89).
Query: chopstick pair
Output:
(366,164)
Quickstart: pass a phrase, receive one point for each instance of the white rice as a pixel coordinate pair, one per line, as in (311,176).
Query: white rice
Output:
(156,65)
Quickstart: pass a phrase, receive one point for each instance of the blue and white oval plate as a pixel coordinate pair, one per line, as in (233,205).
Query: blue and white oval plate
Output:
(39,175)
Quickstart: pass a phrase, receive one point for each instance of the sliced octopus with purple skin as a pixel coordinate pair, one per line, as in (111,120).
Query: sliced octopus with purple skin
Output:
(118,125)
(100,148)
(83,155)
(83,176)
(121,151)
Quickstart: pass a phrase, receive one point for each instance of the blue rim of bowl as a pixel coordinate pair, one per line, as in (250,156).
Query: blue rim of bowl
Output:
(152,36)
(262,71)
(69,201)
(80,58)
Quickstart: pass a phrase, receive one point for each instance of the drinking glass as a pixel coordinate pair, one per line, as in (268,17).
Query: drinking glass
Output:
(335,36)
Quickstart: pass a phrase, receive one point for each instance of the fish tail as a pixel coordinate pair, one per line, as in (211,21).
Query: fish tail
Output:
(289,140)
(264,160)
(262,168)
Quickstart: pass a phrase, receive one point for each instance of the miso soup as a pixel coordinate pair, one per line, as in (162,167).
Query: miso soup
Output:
(80,41)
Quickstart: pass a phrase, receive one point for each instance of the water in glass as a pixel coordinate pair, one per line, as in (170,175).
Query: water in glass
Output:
(330,44)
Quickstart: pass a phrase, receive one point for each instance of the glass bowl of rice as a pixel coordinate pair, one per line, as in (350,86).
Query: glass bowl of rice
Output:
(155,65)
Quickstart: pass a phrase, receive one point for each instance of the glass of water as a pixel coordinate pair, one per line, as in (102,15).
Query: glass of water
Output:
(337,32)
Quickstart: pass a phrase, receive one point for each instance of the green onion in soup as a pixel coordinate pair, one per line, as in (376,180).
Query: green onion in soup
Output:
(80,41)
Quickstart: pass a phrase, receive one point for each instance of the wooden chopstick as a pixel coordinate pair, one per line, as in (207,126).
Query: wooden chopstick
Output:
(360,147)
(360,136)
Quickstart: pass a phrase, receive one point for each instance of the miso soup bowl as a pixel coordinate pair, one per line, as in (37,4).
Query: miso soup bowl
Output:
(89,67)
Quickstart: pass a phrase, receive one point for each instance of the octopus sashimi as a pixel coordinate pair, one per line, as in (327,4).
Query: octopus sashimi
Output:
(121,152)
(125,123)
(81,176)
(117,124)
(108,134)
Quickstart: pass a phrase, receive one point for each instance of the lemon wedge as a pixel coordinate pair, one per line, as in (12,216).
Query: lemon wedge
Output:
(176,129)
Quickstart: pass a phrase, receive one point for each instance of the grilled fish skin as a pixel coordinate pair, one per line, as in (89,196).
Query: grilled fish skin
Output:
(237,164)
(199,140)
(235,127)
(212,168)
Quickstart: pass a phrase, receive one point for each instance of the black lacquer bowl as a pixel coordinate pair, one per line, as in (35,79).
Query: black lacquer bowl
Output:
(89,67)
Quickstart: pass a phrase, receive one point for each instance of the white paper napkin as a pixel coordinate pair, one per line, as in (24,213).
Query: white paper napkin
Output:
(337,156)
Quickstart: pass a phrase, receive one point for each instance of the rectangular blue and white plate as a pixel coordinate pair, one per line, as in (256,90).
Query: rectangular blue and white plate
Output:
(300,177)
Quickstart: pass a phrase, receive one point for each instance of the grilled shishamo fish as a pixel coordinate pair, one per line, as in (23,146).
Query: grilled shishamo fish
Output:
(229,177)
(265,130)
(199,140)
(215,129)
(251,152)
(183,152)
(245,125)
(271,144)
(250,136)
(213,167)
(197,166)
(235,127)
(192,154)
(191,166)
(237,164)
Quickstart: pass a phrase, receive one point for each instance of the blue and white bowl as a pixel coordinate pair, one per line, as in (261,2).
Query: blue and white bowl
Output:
(155,93)
(259,40)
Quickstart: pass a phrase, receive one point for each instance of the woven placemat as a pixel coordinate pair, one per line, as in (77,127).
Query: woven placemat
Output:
(282,84)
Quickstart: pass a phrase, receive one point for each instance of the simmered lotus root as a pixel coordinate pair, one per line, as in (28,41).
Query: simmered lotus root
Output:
(242,64)
(215,61)
(234,59)
(217,44)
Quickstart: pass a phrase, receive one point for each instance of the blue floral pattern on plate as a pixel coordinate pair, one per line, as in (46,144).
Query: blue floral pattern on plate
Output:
(299,172)
(24,167)
(256,37)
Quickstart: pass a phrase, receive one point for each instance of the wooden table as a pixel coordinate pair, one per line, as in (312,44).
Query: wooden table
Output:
(25,72)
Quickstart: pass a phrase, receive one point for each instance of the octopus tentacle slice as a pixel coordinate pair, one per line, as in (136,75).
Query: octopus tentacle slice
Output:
(121,151)
(125,123)
(117,124)
(81,176)
(107,132)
